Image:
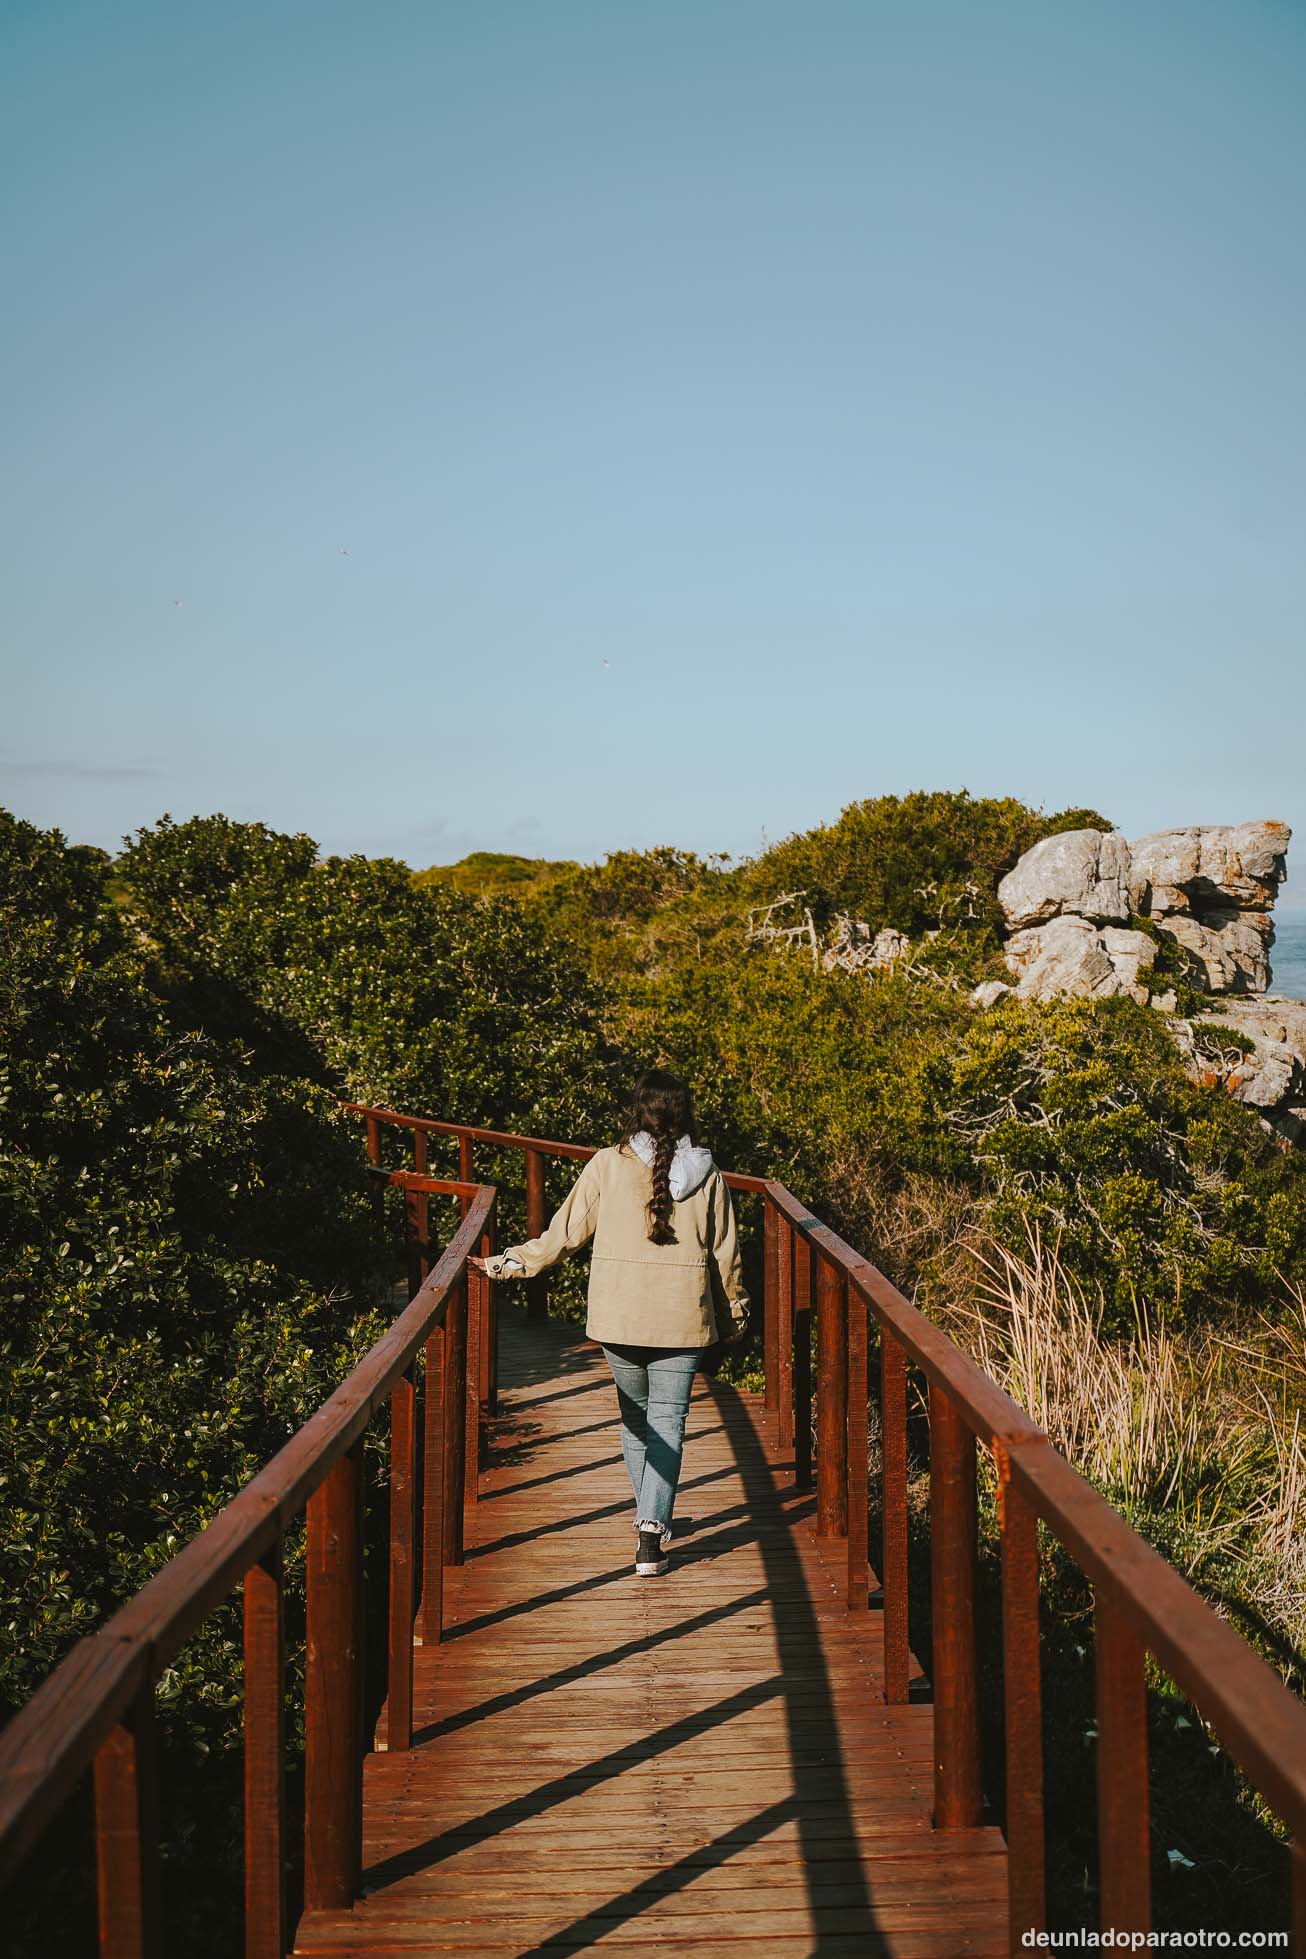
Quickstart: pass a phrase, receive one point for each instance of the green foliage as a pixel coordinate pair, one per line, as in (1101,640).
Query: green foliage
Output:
(185,1254)
(1079,1113)
(493,873)
(929,859)
(415,996)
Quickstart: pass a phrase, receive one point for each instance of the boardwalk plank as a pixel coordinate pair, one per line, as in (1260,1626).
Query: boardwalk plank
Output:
(700,1762)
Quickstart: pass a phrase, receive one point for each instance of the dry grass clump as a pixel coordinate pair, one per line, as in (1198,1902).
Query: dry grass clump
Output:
(1202,1426)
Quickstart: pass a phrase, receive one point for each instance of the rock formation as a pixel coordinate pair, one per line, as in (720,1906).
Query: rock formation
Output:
(1210,889)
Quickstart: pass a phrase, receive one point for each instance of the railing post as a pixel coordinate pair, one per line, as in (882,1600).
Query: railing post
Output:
(435,1428)
(414,1238)
(265,1781)
(537,1289)
(953,1558)
(465,1171)
(784,1352)
(487,1337)
(831,1401)
(333,1721)
(802,1362)
(455,1425)
(422,1213)
(856,1448)
(1120,1704)
(378,1190)
(1023,1700)
(770,1301)
(127,1834)
(403,1476)
(893,1515)
(477,1286)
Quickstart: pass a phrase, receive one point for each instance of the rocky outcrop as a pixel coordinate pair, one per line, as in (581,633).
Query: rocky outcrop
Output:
(1080,874)
(1272,1079)
(1073,955)
(1210,890)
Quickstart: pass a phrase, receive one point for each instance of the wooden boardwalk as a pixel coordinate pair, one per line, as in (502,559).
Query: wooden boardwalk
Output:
(698,1762)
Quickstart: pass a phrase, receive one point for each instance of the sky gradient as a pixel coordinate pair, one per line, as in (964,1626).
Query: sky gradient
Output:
(563,428)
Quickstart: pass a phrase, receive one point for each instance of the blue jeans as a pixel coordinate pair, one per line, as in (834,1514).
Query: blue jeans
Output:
(653,1389)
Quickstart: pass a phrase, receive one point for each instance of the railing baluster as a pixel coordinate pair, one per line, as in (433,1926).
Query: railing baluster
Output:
(537,1289)
(127,1834)
(433,1468)
(953,1558)
(334,1688)
(770,1302)
(374,1157)
(858,1495)
(422,1215)
(403,1478)
(486,1337)
(1120,1702)
(784,1346)
(265,1778)
(1023,1697)
(893,1515)
(455,1424)
(831,1400)
(802,1363)
(413,1238)
(465,1171)
(477,1286)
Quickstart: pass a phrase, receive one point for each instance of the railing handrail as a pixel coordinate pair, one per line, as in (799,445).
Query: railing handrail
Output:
(52,1739)
(504,1139)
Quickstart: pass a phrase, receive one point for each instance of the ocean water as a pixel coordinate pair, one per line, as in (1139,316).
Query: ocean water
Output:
(1288,955)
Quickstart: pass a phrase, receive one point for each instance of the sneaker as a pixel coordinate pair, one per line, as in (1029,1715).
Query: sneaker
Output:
(650,1559)
(666,1532)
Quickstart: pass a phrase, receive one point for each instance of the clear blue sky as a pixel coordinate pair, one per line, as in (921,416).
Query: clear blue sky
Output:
(896,396)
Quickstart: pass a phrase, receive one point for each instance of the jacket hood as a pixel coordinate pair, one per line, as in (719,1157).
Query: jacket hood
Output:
(690,1166)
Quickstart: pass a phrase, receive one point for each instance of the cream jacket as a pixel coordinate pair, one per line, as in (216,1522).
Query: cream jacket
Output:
(683,1295)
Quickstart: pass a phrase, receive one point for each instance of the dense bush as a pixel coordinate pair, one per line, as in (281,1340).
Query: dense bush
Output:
(417,996)
(186,1253)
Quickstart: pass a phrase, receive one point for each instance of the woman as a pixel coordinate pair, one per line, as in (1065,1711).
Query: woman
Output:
(664,1280)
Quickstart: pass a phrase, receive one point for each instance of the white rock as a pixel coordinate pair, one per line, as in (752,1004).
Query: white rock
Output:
(1273,1074)
(989,992)
(1228,952)
(1071,955)
(1205,865)
(1080,872)
(1269,1017)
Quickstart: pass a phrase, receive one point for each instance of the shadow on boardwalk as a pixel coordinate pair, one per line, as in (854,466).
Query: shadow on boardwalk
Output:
(697,1762)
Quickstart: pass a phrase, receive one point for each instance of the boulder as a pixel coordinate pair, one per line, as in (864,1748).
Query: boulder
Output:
(1080,872)
(1228,951)
(1269,1017)
(1071,955)
(1241,864)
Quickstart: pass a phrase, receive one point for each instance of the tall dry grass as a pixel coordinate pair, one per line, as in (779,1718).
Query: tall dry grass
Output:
(1203,1426)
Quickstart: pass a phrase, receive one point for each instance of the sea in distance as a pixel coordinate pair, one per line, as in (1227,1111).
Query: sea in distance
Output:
(1288,955)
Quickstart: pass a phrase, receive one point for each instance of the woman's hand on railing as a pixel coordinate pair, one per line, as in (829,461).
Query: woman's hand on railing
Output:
(499,1265)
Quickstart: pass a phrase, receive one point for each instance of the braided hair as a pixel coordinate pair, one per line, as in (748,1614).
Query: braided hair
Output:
(663,1106)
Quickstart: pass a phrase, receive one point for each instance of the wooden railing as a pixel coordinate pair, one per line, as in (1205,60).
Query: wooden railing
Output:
(97,1707)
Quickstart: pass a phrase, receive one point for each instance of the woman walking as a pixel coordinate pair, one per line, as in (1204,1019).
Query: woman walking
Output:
(664,1283)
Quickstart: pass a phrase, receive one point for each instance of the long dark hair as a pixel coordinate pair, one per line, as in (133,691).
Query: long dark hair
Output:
(662,1105)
